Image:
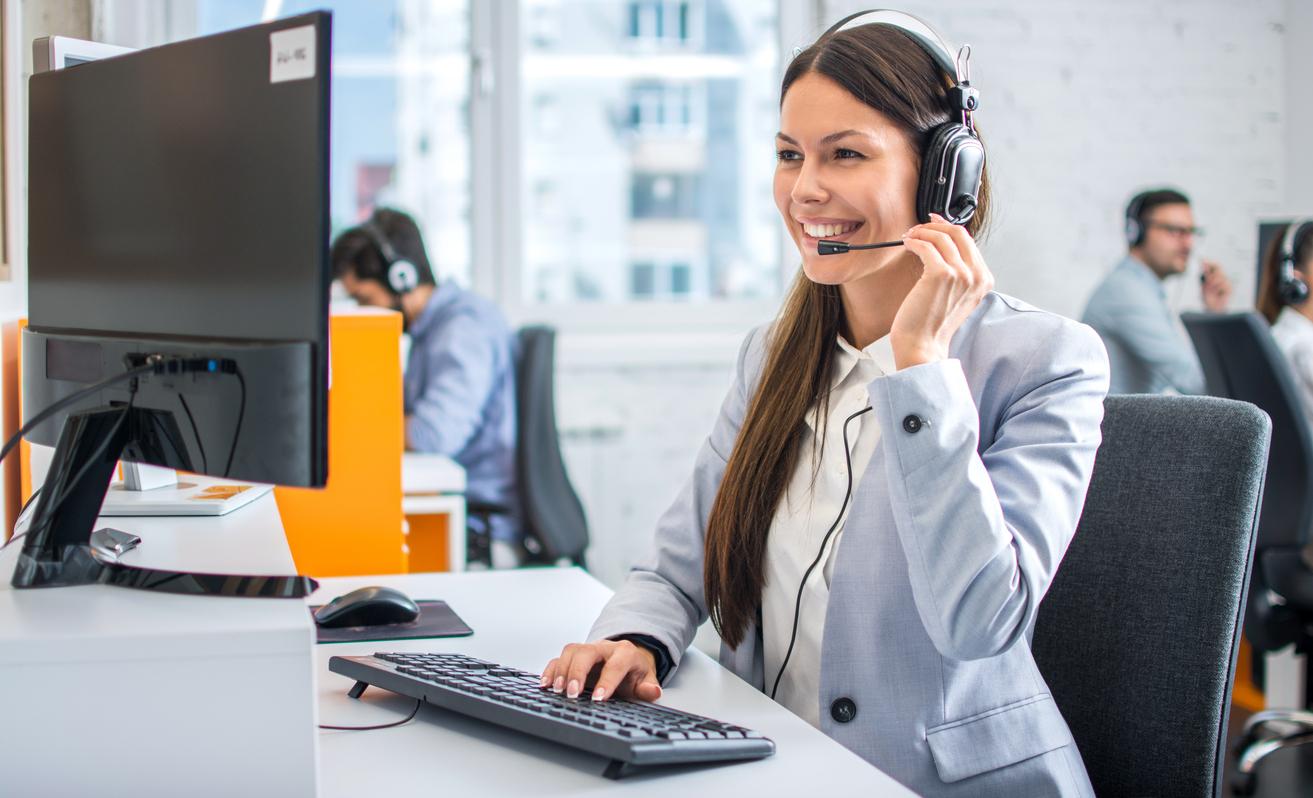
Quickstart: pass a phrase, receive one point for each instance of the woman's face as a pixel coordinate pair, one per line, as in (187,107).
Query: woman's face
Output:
(845,173)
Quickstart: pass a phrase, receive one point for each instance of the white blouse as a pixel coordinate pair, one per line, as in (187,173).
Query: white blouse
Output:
(806,512)
(1294,336)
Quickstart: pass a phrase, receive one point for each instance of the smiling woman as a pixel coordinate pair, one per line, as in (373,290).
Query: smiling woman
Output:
(900,463)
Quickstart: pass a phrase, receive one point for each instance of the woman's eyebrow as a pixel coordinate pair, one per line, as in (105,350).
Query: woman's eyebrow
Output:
(827,139)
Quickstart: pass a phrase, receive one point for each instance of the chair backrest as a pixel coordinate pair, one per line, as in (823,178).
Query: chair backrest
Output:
(1241,361)
(1139,632)
(553,514)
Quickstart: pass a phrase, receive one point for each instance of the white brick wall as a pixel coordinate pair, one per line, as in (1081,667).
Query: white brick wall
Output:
(1084,104)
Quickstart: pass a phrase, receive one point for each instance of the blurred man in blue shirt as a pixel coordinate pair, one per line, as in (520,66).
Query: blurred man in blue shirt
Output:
(1146,351)
(460,376)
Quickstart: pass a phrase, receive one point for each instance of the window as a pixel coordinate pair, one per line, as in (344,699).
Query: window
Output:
(666,157)
(670,281)
(656,108)
(660,21)
(577,161)
(400,126)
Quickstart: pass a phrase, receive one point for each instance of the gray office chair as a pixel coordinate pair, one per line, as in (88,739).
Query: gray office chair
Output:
(1241,361)
(555,527)
(1139,632)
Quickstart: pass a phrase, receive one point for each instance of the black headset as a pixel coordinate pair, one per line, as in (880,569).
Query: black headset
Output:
(402,275)
(955,158)
(1292,288)
(1134,222)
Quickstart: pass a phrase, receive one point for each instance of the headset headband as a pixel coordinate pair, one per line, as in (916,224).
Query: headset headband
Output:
(1291,236)
(375,233)
(929,39)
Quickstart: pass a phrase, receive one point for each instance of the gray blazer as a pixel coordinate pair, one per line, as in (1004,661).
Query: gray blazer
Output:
(954,535)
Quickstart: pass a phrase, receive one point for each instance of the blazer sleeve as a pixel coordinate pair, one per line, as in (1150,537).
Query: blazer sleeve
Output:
(983,532)
(663,598)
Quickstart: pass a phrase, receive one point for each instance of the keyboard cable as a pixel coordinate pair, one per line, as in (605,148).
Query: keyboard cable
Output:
(418,702)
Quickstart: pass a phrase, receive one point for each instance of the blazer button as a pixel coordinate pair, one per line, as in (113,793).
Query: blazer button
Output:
(913,424)
(843,710)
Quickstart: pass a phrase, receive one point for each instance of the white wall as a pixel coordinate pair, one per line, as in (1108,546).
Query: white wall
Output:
(1298,33)
(1083,104)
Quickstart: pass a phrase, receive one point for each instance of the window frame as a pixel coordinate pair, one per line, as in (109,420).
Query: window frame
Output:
(498,196)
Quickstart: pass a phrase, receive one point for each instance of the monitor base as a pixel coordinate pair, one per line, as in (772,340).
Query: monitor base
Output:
(58,551)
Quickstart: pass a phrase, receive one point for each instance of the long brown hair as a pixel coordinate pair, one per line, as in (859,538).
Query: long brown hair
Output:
(885,68)
(1269,282)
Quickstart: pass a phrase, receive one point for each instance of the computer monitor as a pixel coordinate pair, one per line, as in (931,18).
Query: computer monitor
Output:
(178,233)
(1267,232)
(60,52)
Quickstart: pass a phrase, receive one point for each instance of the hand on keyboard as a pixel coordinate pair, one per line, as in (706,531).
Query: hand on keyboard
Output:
(626,671)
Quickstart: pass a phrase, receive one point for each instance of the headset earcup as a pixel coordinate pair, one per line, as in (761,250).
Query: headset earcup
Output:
(403,277)
(1133,232)
(1299,292)
(950,174)
(1293,289)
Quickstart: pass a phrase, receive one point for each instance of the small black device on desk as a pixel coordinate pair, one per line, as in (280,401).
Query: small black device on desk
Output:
(368,606)
(631,734)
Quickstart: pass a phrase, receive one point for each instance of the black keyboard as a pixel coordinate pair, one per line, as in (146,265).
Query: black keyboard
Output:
(629,733)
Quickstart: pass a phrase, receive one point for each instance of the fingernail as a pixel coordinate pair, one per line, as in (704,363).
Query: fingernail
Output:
(573,690)
(559,684)
(599,694)
(543,682)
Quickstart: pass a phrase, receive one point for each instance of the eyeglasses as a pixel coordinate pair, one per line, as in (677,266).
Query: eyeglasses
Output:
(1177,230)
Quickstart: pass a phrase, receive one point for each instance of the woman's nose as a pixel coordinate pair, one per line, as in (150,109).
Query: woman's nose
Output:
(808,187)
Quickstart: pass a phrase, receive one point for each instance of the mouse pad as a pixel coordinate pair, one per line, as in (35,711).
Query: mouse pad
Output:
(435,619)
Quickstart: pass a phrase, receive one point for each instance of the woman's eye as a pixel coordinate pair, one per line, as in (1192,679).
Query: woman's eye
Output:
(842,153)
(788,155)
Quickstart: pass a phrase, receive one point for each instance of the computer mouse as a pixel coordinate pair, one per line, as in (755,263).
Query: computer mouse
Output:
(368,606)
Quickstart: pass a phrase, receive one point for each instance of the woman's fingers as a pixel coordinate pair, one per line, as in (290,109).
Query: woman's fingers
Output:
(620,665)
(966,245)
(959,251)
(549,673)
(928,253)
(626,671)
(943,244)
(586,657)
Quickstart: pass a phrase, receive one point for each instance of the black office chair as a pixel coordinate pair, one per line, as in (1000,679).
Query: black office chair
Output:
(1241,361)
(1138,634)
(555,527)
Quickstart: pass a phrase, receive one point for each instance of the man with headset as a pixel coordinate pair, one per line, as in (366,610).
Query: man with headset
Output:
(1147,351)
(460,379)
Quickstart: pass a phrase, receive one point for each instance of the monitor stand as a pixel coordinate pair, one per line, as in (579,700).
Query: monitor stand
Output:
(57,550)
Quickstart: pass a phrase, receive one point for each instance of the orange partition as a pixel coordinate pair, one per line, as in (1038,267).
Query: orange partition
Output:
(354,524)
(9,421)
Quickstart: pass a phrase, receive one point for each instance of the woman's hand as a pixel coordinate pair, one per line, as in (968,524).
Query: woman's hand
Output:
(1216,288)
(627,671)
(954,278)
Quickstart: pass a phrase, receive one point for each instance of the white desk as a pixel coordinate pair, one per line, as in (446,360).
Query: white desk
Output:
(522,618)
(432,484)
(110,691)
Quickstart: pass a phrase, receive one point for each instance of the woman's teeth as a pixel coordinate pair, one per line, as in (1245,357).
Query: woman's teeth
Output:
(829,230)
